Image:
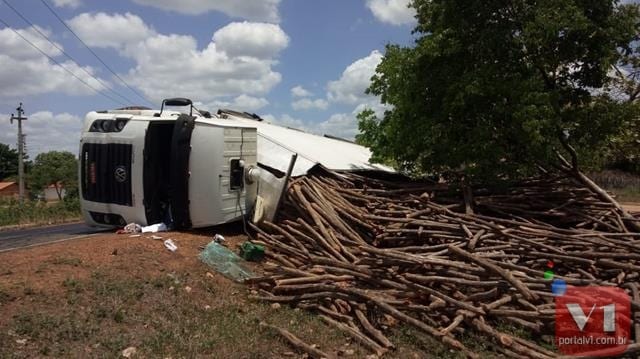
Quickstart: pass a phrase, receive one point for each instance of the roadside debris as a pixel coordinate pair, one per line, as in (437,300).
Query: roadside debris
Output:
(218,238)
(129,352)
(132,228)
(154,228)
(156,237)
(170,244)
(251,252)
(225,262)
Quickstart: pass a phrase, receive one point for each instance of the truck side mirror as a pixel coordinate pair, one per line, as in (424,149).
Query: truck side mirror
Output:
(178,101)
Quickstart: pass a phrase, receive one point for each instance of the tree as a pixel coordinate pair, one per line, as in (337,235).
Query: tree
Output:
(55,168)
(8,161)
(624,149)
(490,86)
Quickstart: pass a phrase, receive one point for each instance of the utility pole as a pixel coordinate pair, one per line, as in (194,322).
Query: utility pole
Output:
(21,137)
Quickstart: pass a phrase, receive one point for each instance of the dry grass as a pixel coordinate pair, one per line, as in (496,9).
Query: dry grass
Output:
(106,313)
(95,297)
(625,186)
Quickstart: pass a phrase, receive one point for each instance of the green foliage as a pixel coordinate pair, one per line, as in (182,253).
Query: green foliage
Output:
(490,85)
(624,149)
(37,212)
(8,161)
(57,168)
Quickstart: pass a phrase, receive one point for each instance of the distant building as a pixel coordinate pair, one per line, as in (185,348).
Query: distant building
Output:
(9,190)
(51,194)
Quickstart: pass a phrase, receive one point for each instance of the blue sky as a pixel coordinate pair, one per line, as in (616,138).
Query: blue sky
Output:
(299,63)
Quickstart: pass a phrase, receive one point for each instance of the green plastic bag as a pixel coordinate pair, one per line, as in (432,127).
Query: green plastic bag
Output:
(225,262)
(252,252)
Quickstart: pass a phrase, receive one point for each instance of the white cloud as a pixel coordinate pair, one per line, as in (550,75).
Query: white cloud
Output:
(394,12)
(238,61)
(350,89)
(105,30)
(287,121)
(345,125)
(67,3)
(20,78)
(172,65)
(249,103)
(24,71)
(259,40)
(341,125)
(260,10)
(373,104)
(45,132)
(307,104)
(11,44)
(243,103)
(356,78)
(299,91)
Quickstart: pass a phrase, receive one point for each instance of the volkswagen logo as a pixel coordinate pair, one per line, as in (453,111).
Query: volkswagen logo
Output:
(120,174)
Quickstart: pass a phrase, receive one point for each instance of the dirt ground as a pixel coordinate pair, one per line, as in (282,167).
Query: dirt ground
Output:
(633,207)
(98,296)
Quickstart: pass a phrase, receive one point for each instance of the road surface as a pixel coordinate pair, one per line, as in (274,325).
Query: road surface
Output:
(33,236)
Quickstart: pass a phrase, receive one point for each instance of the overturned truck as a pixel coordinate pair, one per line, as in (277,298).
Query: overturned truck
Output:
(195,169)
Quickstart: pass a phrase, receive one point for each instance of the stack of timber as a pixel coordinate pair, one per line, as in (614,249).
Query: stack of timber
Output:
(363,250)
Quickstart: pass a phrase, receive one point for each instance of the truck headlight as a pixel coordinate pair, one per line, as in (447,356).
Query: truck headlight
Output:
(116,125)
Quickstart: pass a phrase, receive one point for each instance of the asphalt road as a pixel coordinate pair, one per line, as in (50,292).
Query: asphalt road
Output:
(33,236)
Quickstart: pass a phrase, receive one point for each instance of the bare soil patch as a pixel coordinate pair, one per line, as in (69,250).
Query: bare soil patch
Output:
(633,207)
(97,296)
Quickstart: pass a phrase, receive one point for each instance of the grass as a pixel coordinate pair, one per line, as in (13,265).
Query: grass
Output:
(5,296)
(409,340)
(629,194)
(85,308)
(78,299)
(75,262)
(624,185)
(101,315)
(12,212)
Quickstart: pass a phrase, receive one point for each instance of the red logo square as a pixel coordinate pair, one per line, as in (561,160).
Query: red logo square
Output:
(593,321)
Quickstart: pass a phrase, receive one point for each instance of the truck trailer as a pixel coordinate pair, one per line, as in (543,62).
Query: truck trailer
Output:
(194,169)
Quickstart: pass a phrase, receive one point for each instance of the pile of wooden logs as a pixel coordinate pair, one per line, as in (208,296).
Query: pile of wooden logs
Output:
(364,252)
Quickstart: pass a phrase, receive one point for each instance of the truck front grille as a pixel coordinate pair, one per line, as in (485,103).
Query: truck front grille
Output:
(106,173)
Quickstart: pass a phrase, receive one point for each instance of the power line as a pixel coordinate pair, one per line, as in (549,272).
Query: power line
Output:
(60,65)
(96,55)
(64,52)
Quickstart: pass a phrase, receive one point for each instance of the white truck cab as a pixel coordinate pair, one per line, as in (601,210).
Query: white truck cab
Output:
(191,169)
